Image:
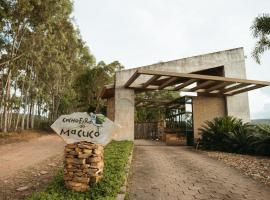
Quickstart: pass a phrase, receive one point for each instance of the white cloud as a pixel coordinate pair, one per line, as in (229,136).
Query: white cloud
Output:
(259,104)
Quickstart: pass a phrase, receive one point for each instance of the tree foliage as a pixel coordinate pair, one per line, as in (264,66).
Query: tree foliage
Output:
(153,114)
(46,69)
(261,31)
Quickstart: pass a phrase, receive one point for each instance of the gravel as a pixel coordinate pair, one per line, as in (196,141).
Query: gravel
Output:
(257,167)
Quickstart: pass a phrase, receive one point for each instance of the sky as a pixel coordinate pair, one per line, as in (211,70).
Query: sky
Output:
(142,32)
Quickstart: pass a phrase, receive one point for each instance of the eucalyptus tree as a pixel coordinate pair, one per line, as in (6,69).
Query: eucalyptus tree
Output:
(39,50)
(46,69)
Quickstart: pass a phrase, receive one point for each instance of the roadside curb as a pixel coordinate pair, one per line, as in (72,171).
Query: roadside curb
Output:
(122,193)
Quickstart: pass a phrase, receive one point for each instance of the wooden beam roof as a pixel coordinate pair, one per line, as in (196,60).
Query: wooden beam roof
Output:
(203,84)
(209,85)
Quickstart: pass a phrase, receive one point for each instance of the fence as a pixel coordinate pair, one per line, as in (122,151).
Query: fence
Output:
(145,130)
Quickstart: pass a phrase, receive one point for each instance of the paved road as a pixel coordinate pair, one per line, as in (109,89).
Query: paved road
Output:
(162,172)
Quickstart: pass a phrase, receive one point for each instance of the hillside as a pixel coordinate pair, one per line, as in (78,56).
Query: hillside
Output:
(261,121)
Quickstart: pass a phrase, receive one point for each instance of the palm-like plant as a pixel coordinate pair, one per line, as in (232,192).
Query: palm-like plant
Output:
(262,142)
(261,31)
(241,139)
(232,135)
(217,134)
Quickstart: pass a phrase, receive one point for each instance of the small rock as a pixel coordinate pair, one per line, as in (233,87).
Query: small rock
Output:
(43,172)
(5,181)
(52,165)
(20,189)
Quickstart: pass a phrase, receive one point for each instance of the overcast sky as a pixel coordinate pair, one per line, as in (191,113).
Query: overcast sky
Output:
(142,32)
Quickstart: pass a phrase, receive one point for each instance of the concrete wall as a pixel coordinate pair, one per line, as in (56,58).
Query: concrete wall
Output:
(206,109)
(233,61)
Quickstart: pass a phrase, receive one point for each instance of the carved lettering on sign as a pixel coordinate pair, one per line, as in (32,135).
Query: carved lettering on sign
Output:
(82,126)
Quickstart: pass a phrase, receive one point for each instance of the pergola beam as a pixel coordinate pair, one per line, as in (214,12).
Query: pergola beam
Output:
(238,86)
(168,82)
(205,83)
(218,86)
(185,84)
(132,79)
(201,77)
(151,80)
(246,89)
(202,85)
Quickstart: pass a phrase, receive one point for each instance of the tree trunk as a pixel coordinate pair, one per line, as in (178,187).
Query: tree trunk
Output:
(10,116)
(25,106)
(32,115)
(6,99)
(27,117)
(20,102)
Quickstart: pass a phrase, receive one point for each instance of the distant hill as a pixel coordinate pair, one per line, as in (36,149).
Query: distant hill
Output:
(261,121)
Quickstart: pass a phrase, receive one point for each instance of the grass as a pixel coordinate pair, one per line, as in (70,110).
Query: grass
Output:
(115,157)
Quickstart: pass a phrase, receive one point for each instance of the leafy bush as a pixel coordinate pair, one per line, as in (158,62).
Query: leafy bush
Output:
(216,133)
(262,143)
(115,157)
(232,135)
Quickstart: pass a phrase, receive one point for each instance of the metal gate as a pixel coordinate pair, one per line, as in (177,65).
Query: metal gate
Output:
(145,130)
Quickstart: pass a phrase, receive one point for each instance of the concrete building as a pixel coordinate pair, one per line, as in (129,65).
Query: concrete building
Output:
(219,80)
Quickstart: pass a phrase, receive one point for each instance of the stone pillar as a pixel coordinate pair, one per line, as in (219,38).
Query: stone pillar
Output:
(83,165)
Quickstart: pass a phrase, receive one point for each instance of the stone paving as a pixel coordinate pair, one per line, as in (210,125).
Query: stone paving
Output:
(162,172)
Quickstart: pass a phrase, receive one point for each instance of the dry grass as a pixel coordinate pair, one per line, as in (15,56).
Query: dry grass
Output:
(257,167)
(13,137)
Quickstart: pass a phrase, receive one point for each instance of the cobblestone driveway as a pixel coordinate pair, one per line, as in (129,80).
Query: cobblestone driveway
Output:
(162,172)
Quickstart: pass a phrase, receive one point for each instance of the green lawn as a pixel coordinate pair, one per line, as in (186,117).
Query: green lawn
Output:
(115,157)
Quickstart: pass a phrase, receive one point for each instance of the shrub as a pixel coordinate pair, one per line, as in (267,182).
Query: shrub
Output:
(216,134)
(232,135)
(241,139)
(262,143)
(115,157)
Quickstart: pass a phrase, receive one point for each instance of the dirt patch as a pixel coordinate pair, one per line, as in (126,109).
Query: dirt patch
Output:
(18,156)
(24,136)
(257,167)
(33,179)
(29,165)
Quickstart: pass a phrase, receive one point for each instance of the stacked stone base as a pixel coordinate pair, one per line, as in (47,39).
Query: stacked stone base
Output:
(83,165)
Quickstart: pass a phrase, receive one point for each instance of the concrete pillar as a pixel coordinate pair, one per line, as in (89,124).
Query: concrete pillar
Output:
(206,109)
(124,108)
(237,105)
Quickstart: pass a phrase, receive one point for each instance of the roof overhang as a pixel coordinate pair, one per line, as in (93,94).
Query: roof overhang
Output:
(147,80)
(144,80)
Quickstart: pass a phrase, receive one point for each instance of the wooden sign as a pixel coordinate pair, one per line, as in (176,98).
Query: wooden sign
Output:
(81,126)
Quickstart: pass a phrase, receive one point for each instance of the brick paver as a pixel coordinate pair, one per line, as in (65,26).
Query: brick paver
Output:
(162,172)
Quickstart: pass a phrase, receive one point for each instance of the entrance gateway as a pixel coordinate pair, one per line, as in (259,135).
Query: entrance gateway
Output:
(218,79)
